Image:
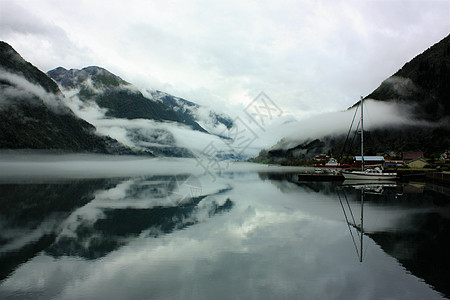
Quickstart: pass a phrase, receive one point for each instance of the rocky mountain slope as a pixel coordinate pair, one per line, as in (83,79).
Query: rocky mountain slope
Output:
(93,110)
(213,122)
(33,114)
(120,98)
(154,122)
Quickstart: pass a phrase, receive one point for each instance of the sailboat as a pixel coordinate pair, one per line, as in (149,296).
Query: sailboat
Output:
(367,174)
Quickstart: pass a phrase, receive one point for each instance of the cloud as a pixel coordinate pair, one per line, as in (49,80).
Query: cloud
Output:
(37,38)
(144,134)
(403,86)
(310,56)
(377,114)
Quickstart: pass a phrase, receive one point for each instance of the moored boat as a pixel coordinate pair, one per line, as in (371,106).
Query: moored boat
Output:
(369,174)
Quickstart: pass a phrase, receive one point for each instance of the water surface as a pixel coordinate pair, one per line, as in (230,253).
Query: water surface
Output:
(247,233)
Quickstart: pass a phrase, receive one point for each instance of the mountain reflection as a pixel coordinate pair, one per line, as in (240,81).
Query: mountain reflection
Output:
(31,215)
(146,207)
(91,218)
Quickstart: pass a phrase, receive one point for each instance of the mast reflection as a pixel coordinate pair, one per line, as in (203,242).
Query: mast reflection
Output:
(364,187)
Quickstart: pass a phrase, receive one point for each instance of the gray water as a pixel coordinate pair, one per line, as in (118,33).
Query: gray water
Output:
(246,233)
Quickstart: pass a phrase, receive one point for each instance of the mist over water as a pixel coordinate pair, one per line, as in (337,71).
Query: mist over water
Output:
(88,226)
(42,164)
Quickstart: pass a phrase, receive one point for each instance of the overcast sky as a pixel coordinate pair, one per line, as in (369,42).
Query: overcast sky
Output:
(307,56)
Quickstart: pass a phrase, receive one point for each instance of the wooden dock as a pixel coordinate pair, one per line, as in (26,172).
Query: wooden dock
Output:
(439,177)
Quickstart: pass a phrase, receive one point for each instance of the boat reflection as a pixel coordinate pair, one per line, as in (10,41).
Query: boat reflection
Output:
(418,241)
(357,229)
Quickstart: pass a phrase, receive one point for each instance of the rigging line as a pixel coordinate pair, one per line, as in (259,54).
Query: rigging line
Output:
(348,224)
(351,213)
(355,134)
(348,133)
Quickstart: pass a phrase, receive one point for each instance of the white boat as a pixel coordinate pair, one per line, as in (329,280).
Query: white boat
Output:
(367,174)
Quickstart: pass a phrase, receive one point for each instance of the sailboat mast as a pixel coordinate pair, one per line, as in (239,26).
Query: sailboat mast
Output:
(362,136)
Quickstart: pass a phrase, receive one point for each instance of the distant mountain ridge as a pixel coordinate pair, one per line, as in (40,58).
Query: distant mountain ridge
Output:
(121,98)
(70,79)
(120,106)
(207,118)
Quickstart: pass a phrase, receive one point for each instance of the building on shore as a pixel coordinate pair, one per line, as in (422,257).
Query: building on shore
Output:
(409,156)
(445,156)
(417,163)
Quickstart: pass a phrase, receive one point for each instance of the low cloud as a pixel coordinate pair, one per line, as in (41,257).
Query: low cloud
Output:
(143,134)
(205,118)
(377,114)
(17,89)
(403,86)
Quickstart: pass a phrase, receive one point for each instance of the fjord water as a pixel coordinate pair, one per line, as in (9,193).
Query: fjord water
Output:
(245,233)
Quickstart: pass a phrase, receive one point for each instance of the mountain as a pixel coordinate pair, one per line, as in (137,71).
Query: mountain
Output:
(12,62)
(213,122)
(120,98)
(120,111)
(420,90)
(33,114)
(153,121)
(423,82)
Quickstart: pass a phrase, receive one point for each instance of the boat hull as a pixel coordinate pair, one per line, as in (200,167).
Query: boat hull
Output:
(369,176)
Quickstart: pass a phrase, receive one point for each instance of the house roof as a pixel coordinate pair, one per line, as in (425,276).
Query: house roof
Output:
(412,155)
(417,159)
(369,158)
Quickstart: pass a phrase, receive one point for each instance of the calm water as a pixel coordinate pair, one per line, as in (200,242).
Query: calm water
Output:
(240,235)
